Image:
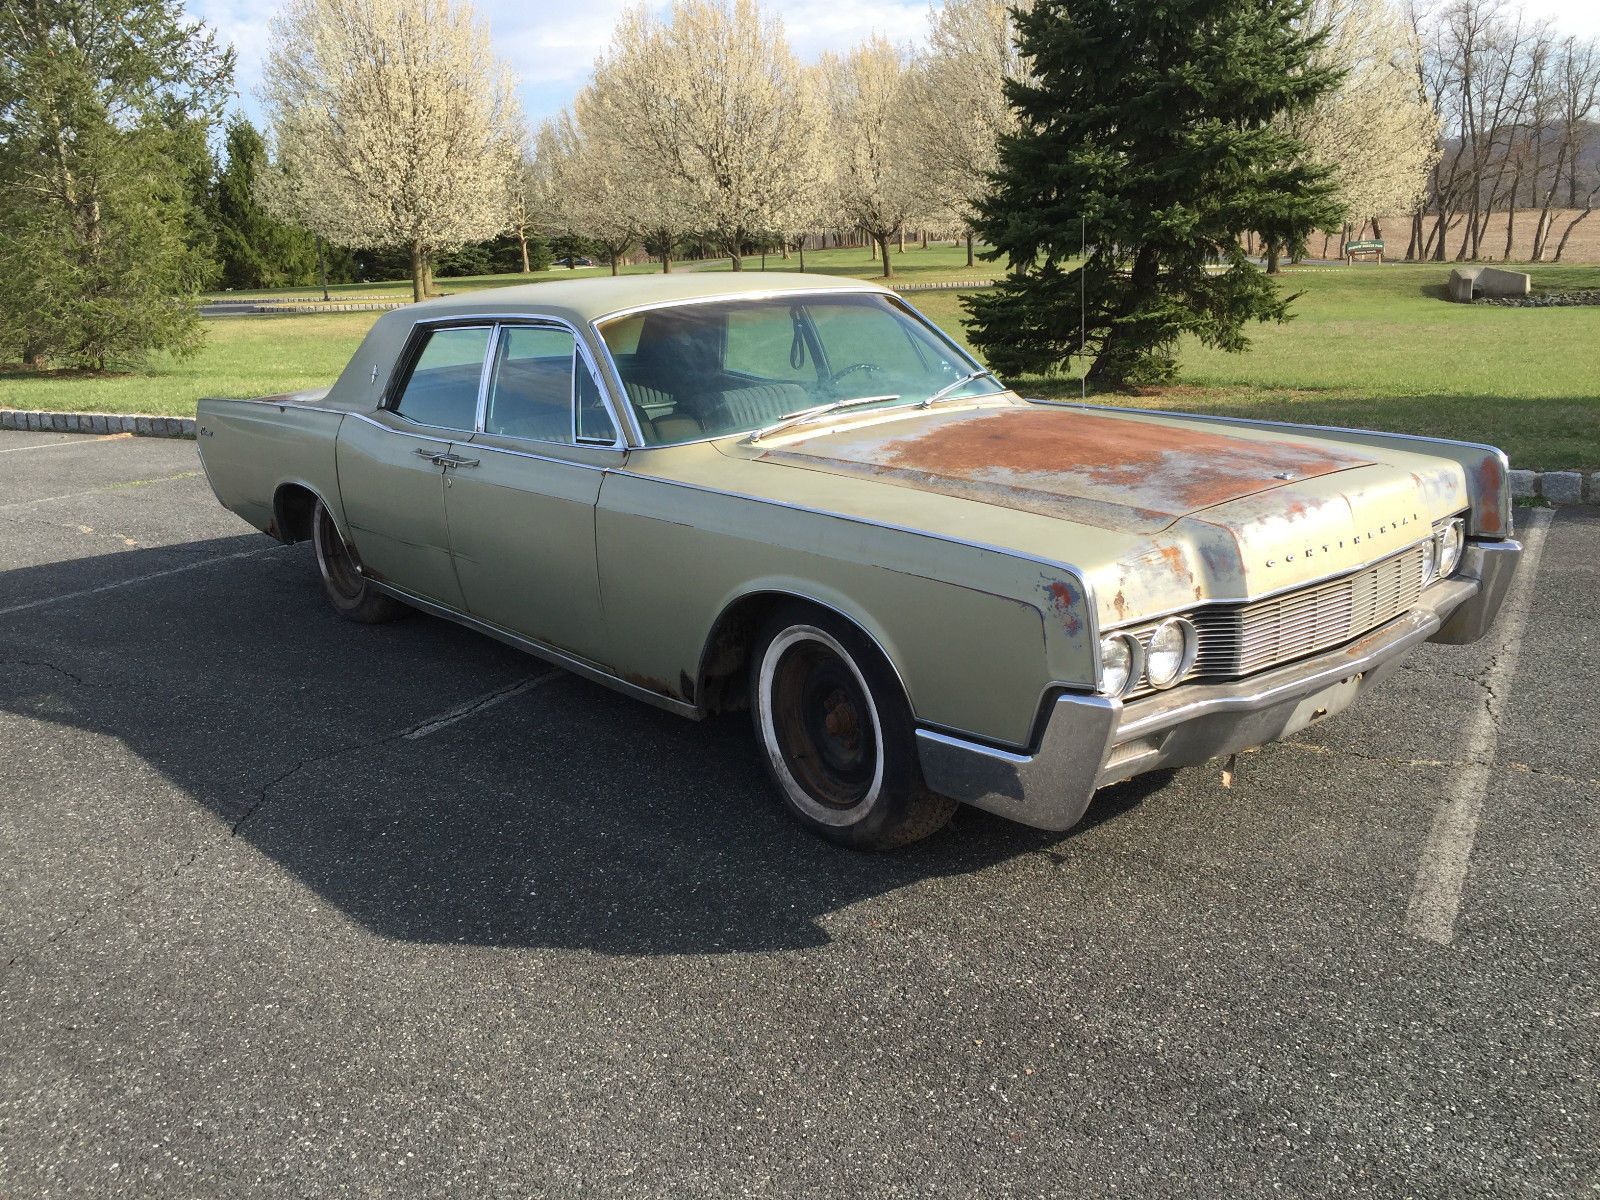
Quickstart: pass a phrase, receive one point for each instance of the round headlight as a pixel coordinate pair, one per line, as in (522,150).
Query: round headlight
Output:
(1119,657)
(1170,653)
(1450,543)
(1430,559)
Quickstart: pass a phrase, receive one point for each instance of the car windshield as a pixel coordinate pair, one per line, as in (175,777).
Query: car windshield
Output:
(727,367)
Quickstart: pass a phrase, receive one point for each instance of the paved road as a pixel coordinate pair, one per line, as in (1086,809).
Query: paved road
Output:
(294,907)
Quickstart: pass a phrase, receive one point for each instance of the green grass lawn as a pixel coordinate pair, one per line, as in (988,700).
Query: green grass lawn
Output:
(1376,347)
(1379,348)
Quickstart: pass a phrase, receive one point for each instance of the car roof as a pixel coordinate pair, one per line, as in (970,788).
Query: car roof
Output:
(583,300)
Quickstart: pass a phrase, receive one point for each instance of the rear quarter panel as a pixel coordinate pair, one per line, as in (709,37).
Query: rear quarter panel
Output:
(250,448)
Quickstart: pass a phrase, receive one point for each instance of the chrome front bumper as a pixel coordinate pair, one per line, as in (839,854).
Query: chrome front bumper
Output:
(1090,741)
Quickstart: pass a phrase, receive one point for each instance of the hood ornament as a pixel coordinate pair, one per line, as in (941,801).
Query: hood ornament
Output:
(1285,475)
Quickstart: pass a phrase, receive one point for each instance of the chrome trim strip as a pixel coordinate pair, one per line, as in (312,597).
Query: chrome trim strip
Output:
(1193,416)
(485,377)
(863,285)
(578,666)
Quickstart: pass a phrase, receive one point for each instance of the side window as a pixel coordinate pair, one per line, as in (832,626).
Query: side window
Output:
(530,392)
(442,389)
(594,422)
(538,377)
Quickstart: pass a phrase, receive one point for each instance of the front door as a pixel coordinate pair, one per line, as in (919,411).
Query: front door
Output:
(521,510)
(392,470)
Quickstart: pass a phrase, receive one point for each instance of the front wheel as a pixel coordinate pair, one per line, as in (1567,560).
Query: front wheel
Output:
(352,594)
(837,734)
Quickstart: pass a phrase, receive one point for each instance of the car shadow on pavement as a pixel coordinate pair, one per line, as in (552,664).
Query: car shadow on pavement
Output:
(567,816)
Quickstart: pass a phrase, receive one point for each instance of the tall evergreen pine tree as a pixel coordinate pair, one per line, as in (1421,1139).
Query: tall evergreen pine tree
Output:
(255,249)
(103,110)
(1148,136)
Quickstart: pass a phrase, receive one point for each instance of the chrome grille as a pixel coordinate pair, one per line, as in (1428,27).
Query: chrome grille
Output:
(1241,639)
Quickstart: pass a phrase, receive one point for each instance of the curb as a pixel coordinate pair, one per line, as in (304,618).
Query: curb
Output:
(949,285)
(24,420)
(233,308)
(1558,487)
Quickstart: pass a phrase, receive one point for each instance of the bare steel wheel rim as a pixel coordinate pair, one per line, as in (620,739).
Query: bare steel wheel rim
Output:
(334,559)
(820,726)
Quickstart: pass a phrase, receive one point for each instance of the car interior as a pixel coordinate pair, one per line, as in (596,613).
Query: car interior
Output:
(681,389)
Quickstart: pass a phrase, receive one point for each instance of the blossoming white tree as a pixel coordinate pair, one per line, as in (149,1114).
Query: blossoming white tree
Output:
(400,119)
(710,111)
(1376,130)
(871,97)
(586,186)
(962,110)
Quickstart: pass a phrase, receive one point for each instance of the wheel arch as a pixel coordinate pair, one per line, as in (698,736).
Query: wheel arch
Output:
(294,502)
(725,653)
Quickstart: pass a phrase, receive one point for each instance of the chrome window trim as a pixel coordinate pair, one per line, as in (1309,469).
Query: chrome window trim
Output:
(779,293)
(412,351)
(472,320)
(482,411)
(724,297)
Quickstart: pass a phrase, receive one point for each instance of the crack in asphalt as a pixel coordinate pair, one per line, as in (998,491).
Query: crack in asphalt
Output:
(48,666)
(1389,761)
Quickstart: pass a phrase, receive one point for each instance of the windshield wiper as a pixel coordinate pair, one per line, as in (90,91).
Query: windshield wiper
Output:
(950,387)
(810,414)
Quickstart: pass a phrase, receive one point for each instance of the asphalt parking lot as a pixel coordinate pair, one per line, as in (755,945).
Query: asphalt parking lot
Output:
(296,907)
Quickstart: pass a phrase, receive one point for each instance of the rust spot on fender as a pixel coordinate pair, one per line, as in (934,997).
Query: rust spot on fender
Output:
(1489,482)
(1176,563)
(651,683)
(1064,603)
(1120,603)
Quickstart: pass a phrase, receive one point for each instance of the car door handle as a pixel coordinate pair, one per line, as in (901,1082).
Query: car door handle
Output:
(436,457)
(453,460)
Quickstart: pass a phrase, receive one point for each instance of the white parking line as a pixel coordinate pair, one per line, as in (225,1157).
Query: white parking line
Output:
(122,583)
(1442,871)
(100,491)
(472,707)
(77,440)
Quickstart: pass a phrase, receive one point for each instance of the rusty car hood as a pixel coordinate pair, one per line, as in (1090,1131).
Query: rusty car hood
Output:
(1122,473)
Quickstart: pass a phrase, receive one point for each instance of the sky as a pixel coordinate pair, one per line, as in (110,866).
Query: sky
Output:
(553,43)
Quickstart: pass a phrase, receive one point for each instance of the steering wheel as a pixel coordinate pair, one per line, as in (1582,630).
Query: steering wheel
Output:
(851,370)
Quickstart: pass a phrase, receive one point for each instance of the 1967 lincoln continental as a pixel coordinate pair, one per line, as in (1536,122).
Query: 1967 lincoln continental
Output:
(792,492)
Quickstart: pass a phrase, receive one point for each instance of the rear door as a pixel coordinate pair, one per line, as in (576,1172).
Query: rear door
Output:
(392,463)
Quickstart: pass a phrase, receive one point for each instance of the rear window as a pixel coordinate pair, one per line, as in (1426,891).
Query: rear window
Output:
(442,389)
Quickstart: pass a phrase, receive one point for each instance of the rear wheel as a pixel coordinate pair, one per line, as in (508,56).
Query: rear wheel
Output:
(837,734)
(352,594)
